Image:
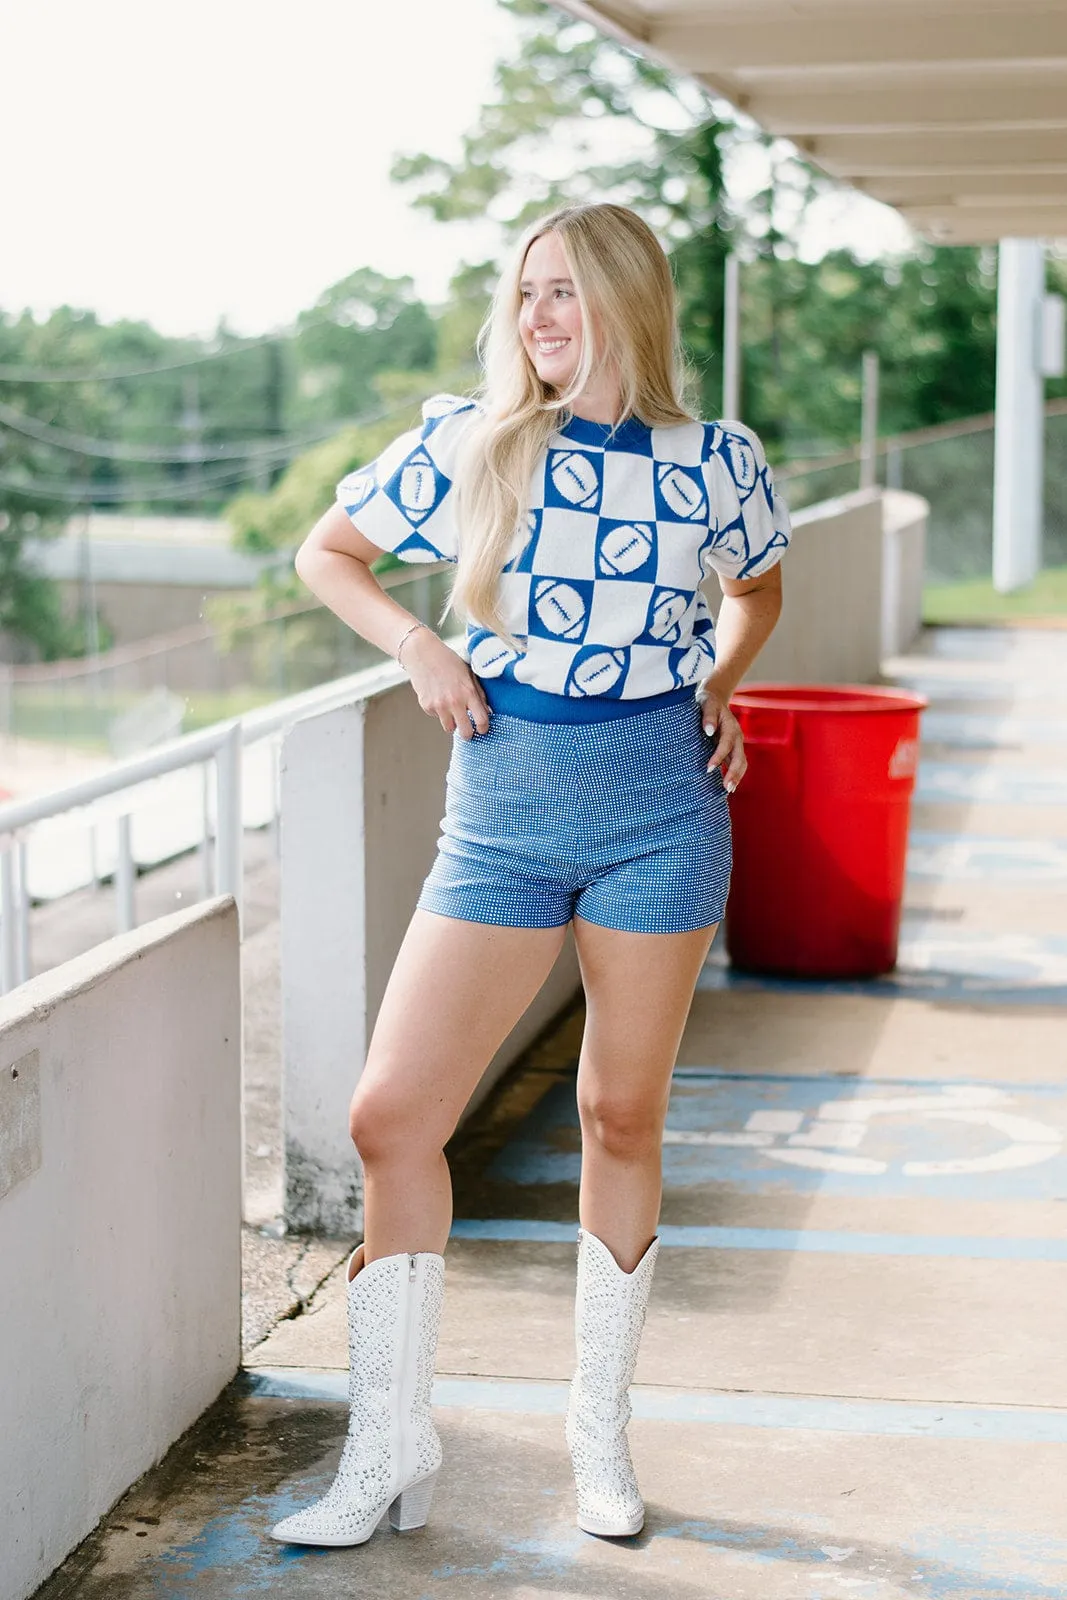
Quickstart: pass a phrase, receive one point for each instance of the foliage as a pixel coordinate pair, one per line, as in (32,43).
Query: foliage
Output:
(576,116)
(279,520)
(68,445)
(357,329)
(975,600)
(930,318)
(573,115)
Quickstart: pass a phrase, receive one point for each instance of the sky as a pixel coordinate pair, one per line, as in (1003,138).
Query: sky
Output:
(225,159)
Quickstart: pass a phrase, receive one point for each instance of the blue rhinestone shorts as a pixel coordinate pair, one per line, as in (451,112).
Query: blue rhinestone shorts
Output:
(618,822)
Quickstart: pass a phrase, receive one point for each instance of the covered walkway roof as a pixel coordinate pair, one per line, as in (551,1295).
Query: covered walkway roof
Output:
(952,111)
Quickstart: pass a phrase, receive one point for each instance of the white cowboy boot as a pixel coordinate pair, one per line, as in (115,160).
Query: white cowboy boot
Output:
(392,1453)
(609,1316)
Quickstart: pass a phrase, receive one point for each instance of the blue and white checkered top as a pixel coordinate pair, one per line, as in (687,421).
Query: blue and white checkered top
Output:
(602,587)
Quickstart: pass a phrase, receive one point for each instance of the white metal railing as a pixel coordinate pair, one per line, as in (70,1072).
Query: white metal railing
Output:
(220,744)
(110,796)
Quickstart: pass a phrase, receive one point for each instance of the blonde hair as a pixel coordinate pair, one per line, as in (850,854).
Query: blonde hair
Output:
(622,279)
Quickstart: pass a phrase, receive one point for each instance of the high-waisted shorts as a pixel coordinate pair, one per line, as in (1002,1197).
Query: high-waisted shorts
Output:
(617,821)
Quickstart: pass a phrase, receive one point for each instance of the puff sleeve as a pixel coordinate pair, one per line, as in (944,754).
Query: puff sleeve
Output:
(403,500)
(748,524)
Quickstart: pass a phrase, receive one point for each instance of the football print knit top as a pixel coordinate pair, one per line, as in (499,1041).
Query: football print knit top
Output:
(602,587)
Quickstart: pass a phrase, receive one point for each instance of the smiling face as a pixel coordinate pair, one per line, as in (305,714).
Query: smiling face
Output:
(550,321)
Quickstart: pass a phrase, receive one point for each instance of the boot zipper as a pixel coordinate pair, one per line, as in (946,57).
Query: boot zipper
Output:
(405,1339)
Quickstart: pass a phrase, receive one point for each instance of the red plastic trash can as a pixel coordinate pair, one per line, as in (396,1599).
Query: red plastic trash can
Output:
(820,829)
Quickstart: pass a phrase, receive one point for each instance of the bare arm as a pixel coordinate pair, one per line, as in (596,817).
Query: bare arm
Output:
(334,562)
(750,609)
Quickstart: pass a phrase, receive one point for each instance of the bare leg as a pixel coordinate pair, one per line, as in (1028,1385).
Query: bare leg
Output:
(639,987)
(456,991)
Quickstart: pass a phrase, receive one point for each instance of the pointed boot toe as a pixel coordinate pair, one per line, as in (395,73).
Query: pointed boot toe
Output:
(392,1452)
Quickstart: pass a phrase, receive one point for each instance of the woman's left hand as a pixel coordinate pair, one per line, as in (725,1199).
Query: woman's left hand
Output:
(728,751)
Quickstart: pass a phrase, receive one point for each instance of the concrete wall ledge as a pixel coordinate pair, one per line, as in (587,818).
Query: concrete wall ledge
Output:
(904,522)
(363,793)
(853,589)
(120,1204)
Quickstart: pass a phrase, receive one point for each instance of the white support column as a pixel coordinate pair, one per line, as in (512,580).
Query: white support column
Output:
(125,877)
(731,341)
(363,789)
(1018,501)
(324,979)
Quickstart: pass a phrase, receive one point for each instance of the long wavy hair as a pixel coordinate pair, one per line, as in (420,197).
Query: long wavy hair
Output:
(623,282)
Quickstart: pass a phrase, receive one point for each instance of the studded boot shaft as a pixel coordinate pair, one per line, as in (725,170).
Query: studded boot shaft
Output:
(392,1452)
(609,1318)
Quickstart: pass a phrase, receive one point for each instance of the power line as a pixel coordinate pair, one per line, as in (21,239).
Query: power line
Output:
(224,475)
(17,374)
(83,444)
(121,493)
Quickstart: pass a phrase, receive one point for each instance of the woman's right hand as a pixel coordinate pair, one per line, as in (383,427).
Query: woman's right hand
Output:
(444,684)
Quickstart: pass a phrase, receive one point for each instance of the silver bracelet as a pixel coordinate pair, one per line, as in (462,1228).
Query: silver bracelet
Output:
(415,626)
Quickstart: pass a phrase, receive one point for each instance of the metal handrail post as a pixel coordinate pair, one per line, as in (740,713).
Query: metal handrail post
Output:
(228,821)
(869,421)
(206,874)
(8,918)
(124,877)
(22,947)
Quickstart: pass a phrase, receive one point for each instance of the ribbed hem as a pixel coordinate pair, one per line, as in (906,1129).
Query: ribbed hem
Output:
(515,699)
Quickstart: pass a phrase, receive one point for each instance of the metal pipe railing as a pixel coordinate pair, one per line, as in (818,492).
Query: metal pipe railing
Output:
(220,744)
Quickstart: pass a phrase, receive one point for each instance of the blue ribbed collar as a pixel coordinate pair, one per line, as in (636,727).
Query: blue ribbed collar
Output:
(625,436)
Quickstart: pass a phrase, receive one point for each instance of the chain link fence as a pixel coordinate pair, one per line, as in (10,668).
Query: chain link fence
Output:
(952,468)
(135,696)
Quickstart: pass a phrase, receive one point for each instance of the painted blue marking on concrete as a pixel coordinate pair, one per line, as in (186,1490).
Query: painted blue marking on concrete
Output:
(972,858)
(967,783)
(947,988)
(514,1229)
(296,1383)
(971,730)
(986,955)
(852,1565)
(721,1074)
(553,1557)
(803,1241)
(809,1413)
(994,690)
(234,1543)
(791,1135)
(966,1564)
(975,966)
(1021,647)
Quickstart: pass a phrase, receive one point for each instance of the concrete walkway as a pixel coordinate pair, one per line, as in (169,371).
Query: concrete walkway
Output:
(854,1379)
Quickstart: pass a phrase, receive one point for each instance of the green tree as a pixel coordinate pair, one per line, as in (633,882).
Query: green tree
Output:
(577,117)
(359,327)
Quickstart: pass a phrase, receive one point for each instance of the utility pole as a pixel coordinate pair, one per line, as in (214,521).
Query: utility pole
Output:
(275,397)
(731,341)
(869,421)
(192,425)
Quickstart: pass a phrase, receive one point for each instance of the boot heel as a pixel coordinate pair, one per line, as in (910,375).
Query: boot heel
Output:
(412,1505)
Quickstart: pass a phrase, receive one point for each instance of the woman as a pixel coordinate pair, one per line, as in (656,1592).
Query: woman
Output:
(593,749)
